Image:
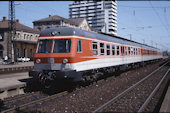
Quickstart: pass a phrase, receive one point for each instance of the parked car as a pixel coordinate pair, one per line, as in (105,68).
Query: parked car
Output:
(24,59)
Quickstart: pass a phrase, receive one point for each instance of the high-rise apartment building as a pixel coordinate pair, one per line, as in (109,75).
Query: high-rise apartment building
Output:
(101,15)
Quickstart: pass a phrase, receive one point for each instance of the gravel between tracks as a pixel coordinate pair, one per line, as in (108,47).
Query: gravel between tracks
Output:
(132,101)
(89,98)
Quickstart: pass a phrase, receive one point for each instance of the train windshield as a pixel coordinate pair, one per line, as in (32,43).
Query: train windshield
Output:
(44,46)
(62,46)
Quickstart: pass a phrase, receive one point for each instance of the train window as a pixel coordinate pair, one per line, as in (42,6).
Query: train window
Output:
(129,50)
(79,46)
(101,48)
(125,50)
(139,51)
(94,48)
(108,49)
(62,46)
(113,49)
(134,51)
(118,50)
(44,46)
(122,50)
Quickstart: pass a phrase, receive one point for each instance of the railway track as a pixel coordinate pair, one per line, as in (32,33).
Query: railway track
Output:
(20,98)
(120,102)
(48,98)
(11,106)
(153,92)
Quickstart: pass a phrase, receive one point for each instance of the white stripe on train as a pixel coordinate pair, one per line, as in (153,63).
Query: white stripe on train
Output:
(93,64)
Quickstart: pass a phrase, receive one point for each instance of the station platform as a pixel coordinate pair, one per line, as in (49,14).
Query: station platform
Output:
(12,78)
(19,66)
(165,107)
(12,84)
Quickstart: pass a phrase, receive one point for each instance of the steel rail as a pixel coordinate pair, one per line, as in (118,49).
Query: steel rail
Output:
(127,90)
(20,98)
(21,107)
(153,92)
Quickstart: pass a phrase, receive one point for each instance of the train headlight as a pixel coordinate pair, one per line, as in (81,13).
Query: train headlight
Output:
(65,61)
(38,61)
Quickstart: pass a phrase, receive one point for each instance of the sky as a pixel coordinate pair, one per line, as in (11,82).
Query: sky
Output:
(142,21)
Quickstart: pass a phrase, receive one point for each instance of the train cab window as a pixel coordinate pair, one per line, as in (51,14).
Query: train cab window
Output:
(79,46)
(118,53)
(113,49)
(94,48)
(108,49)
(62,46)
(101,48)
(44,46)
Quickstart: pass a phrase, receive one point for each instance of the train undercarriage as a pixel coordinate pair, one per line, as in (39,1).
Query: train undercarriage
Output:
(48,78)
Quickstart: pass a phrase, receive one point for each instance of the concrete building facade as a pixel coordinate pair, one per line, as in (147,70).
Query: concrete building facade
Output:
(101,15)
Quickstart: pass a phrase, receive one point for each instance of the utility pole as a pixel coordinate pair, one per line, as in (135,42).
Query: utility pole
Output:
(12,32)
(130,36)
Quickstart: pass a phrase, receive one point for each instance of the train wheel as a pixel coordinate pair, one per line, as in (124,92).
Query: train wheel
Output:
(48,83)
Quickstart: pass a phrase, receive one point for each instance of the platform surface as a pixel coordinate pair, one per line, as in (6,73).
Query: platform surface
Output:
(18,64)
(17,67)
(12,80)
(165,107)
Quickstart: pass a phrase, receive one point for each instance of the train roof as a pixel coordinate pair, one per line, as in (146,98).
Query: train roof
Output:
(102,36)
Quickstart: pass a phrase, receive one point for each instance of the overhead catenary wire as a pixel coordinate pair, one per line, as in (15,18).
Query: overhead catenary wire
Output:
(160,19)
(162,7)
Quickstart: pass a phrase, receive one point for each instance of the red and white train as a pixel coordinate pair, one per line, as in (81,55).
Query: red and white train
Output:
(70,53)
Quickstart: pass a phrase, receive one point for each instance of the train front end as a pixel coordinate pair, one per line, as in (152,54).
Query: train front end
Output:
(53,60)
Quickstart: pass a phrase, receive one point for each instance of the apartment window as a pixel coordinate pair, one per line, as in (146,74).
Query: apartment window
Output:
(25,52)
(101,48)
(1,36)
(18,53)
(79,46)
(31,53)
(24,36)
(31,37)
(108,49)
(27,37)
(113,49)
(18,35)
(118,50)
(94,48)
